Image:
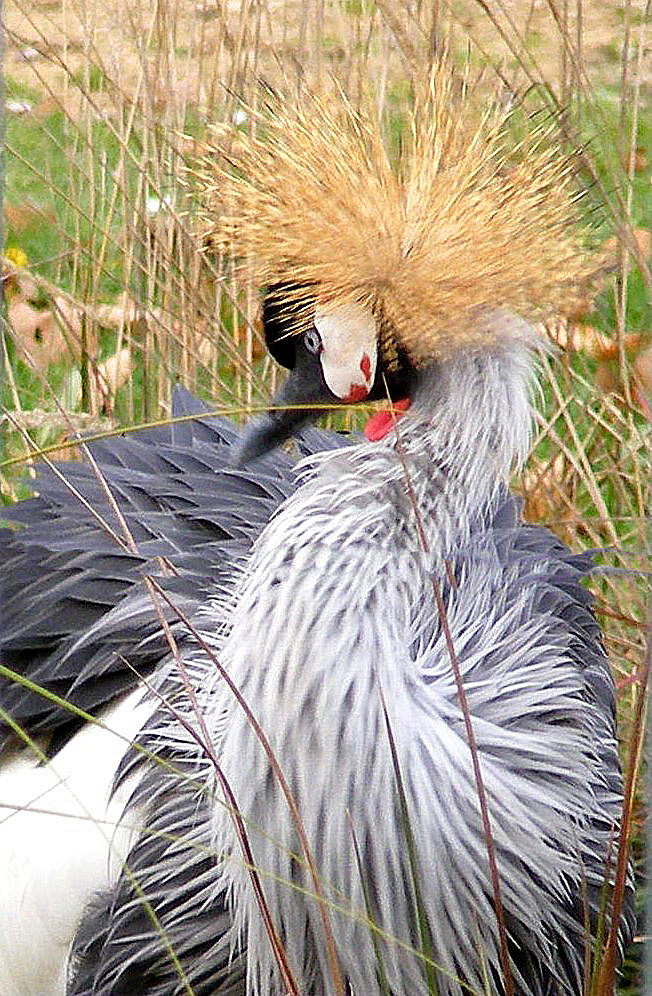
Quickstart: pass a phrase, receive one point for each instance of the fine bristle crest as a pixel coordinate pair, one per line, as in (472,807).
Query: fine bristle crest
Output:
(466,221)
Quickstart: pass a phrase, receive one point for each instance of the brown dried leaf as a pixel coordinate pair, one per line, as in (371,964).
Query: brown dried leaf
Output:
(20,217)
(17,282)
(115,371)
(640,160)
(205,350)
(606,261)
(45,108)
(545,491)
(605,377)
(578,337)
(642,381)
(638,354)
(612,248)
(70,315)
(38,339)
(108,378)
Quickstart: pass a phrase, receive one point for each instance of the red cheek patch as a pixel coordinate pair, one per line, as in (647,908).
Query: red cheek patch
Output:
(379,425)
(356,393)
(365,366)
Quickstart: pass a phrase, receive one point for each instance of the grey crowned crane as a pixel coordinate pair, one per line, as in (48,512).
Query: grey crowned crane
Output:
(354,721)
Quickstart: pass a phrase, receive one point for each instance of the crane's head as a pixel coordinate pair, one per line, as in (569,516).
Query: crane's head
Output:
(379,265)
(336,354)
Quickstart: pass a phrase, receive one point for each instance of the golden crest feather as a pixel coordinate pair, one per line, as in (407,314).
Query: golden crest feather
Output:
(460,226)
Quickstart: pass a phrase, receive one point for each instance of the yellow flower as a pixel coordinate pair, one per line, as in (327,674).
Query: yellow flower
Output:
(16,256)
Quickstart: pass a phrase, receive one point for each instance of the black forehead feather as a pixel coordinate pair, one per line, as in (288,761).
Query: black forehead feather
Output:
(287,309)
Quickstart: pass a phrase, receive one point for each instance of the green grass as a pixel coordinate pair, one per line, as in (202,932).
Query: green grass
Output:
(47,172)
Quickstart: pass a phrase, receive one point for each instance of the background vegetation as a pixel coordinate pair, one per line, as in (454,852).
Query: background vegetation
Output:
(109,299)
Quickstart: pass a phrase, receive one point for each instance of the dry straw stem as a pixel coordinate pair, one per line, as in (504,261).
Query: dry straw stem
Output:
(464,223)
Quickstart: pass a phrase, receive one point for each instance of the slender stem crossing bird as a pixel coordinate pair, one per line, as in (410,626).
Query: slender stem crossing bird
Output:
(337,726)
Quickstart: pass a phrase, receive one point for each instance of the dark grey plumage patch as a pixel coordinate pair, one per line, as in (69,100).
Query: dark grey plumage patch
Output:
(73,604)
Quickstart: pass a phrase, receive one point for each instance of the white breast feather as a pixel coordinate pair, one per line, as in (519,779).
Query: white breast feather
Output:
(59,842)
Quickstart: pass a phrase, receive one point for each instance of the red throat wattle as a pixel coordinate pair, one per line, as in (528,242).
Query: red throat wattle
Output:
(380,424)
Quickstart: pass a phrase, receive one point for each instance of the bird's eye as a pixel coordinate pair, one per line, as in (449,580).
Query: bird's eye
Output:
(312,341)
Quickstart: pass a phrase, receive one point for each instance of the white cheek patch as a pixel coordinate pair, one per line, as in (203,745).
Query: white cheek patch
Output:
(349,349)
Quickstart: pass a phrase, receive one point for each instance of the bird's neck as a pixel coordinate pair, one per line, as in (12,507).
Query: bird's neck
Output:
(473,410)
(440,467)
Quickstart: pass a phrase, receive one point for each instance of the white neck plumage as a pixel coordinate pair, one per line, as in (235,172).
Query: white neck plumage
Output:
(467,430)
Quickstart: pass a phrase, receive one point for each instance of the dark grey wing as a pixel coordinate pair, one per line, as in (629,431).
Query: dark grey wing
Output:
(533,556)
(312,440)
(74,606)
(78,621)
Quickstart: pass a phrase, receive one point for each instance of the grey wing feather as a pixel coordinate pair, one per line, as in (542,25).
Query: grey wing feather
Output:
(74,606)
(533,555)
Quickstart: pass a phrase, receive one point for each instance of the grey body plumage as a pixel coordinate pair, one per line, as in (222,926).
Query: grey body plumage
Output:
(312,669)
(366,632)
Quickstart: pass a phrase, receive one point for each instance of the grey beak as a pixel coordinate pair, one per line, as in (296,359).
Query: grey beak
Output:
(290,410)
